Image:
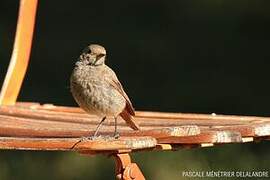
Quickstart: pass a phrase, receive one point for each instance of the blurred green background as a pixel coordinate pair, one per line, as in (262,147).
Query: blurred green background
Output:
(176,56)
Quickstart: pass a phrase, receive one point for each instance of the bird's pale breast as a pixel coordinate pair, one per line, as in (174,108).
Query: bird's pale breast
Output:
(93,93)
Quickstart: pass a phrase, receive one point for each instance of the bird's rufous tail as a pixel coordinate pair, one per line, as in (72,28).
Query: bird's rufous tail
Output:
(129,120)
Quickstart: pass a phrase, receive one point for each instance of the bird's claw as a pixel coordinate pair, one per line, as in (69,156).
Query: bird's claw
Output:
(116,135)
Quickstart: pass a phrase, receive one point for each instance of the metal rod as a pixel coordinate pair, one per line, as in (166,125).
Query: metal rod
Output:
(21,53)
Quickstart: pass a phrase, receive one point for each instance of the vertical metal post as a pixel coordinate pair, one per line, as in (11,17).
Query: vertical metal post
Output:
(125,169)
(21,52)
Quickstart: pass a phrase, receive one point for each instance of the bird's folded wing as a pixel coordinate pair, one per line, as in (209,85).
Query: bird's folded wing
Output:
(114,82)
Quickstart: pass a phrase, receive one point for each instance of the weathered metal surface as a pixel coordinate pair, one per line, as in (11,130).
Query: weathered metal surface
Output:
(41,125)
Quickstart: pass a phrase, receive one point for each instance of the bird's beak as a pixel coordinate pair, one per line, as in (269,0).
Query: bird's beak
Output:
(95,61)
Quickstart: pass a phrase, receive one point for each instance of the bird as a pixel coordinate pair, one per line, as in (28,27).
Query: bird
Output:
(97,90)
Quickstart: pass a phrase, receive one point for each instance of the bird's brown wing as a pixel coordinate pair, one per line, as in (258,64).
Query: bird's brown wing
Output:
(117,85)
(129,111)
(112,79)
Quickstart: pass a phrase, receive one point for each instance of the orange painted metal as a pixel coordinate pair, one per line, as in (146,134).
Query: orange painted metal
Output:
(125,169)
(21,52)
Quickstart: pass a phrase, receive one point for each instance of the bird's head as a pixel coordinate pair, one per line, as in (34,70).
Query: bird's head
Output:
(93,55)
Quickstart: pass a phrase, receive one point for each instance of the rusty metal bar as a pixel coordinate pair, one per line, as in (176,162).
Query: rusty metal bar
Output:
(67,144)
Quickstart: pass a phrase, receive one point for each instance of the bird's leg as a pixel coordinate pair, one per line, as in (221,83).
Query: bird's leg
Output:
(116,134)
(99,125)
(91,137)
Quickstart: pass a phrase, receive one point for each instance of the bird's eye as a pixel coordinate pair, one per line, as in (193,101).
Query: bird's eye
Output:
(87,50)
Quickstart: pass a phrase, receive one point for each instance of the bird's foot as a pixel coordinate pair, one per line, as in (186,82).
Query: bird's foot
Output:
(81,140)
(116,135)
(85,138)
